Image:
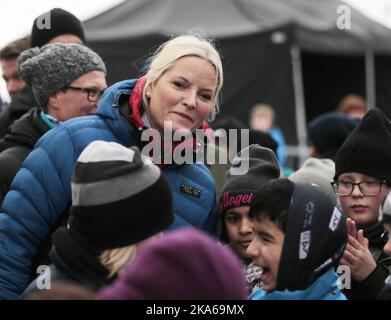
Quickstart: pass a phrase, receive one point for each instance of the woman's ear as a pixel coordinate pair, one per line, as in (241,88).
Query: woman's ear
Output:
(148,91)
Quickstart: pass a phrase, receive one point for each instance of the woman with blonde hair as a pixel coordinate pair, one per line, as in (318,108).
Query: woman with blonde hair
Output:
(181,88)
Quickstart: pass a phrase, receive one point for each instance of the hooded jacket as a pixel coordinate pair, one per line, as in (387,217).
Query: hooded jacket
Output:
(314,241)
(41,191)
(324,288)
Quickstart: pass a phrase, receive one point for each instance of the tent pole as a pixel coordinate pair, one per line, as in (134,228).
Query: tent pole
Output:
(298,87)
(370,80)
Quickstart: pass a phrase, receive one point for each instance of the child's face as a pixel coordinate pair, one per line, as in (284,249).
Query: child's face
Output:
(265,250)
(261,122)
(240,229)
(387,247)
(364,210)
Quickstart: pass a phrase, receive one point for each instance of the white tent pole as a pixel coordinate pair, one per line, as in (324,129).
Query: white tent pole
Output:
(298,87)
(370,80)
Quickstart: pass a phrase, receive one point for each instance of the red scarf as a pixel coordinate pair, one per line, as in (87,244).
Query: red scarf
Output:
(135,105)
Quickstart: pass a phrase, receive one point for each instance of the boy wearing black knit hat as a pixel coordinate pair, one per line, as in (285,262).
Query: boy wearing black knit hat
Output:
(299,238)
(235,200)
(112,211)
(362,181)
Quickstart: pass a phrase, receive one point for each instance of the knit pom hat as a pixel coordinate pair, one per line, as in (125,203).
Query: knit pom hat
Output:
(367,150)
(59,22)
(49,69)
(184,264)
(119,197)
(239,189)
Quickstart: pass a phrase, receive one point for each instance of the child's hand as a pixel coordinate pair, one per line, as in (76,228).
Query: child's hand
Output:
(358,257)
(351,225)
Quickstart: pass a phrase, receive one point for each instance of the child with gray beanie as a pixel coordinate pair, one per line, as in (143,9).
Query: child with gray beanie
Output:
(112,211)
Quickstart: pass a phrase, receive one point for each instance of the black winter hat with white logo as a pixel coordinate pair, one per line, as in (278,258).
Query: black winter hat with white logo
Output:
(315,238)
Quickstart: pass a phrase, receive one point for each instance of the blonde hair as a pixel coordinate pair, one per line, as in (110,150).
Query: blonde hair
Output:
(181,46)
(115,259)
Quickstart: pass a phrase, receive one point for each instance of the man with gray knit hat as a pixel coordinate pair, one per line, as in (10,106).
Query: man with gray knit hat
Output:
(67,80)
(54,70)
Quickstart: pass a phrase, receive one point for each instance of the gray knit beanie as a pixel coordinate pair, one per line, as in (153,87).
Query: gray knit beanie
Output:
(316,171)
(49,69)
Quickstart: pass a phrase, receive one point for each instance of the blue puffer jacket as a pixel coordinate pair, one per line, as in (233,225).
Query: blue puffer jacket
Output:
(41,191)
(324,288)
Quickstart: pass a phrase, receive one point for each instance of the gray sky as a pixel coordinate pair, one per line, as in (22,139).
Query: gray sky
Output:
(378,10)
(17,17)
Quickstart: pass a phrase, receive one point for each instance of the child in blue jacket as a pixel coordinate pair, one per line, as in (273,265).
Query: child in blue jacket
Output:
(299,238)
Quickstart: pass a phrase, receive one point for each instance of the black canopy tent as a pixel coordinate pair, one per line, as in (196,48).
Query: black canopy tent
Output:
(289,54)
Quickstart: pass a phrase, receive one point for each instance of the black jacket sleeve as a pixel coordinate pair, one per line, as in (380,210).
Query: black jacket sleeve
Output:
(10,162)
(370,287)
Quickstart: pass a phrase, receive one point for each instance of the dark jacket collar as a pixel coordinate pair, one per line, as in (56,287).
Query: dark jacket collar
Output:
(376,236)
(25,131)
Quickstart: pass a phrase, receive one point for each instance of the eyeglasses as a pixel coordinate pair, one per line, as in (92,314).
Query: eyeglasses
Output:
(367,188)
(93,94)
